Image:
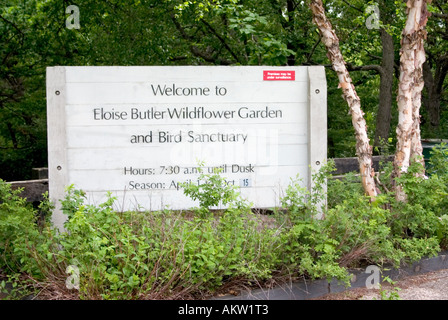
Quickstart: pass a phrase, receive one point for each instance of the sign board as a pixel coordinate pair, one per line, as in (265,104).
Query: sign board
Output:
(140,131)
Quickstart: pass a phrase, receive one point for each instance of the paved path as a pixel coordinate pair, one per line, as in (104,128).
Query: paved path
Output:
(428,286)
(426,279)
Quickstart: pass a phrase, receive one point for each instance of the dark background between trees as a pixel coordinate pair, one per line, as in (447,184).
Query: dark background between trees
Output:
(33,36)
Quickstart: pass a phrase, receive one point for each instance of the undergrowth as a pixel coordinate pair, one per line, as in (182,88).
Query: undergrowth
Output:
(192,255)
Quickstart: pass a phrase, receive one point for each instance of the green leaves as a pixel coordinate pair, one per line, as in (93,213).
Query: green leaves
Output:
(211,190)
(130,255)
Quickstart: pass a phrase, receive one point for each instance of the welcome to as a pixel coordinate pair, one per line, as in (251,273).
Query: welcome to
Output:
(186,114)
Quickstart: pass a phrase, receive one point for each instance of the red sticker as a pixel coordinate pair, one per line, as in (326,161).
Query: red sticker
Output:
(279,75)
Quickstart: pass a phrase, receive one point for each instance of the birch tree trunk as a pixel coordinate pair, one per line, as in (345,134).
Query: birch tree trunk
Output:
(412,57)
(363,148)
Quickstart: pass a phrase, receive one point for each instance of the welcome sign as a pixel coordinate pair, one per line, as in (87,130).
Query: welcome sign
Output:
(139,132)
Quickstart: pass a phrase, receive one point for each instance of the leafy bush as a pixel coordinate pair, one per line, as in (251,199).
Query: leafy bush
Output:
(168,254)
(438,163)
(126,255)
(21,238)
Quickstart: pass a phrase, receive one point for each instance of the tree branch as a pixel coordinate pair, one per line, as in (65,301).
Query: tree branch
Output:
(352,6)
(369,67)
(278,8)
(440,15)
(308,59)
(178,58)
(221,39)
(12,24)
(195,50)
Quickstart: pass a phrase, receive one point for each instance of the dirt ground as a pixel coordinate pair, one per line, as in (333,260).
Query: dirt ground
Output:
(428,286)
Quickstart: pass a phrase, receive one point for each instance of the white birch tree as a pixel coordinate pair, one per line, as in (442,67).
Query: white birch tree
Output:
(363,147)
(412,57)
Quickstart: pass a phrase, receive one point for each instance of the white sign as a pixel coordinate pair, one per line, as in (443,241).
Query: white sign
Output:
(141,131)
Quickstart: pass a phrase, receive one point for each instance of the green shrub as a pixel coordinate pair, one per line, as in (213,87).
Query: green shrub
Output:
(21,238)
(361,229)
(211,190)
(438,163)
(127,255)
(169,254)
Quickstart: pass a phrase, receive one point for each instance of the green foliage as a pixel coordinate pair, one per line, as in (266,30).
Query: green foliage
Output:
(126,255)
(346,188)
(387,231)
(177,32)
(420,216)
(132,255)
(362,230)
(167,254)
(307,249)
(17,225)
(303,203)
(389,294)
(20,236)
(438,164)
(15,287)
(22,88)
(211,190)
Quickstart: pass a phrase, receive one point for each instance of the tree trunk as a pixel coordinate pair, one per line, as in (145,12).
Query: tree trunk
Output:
(412,57)
(386,86)
(363,148)
(432,102)
(416,140)
(12,133)
(434,89)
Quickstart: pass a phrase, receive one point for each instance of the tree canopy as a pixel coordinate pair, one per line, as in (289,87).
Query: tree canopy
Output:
(34,35)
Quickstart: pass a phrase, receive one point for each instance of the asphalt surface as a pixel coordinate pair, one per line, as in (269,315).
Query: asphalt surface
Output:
(429,286)
(426,279)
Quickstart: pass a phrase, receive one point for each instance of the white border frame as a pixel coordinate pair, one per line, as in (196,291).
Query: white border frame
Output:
(57,140)
(317,123)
